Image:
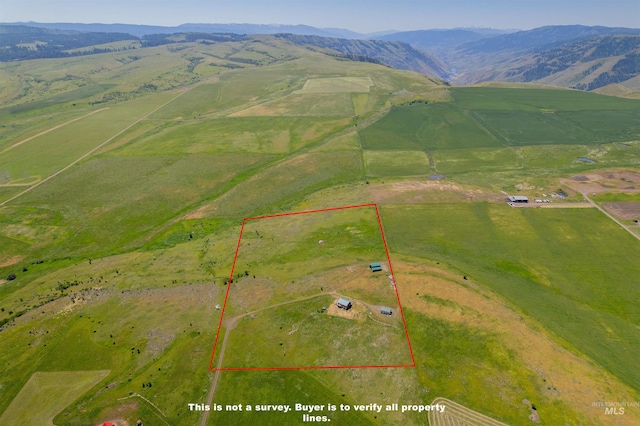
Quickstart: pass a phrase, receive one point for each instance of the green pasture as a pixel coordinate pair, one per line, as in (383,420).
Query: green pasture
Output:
(540,166)
(106,203)
(348,236)
(621,154)
(145,230)
(52,151)
(361,103)
(337,85)
(569,269)
(55,102)
(123,331)
(396,163)
(198,101)
(23,127)
(348,141)
(279,387)
(46,394)
(469,364)
(493,98)
(284,183)
(490,117)
(285,258)
(484,159)
(614,196)
(7,192)
(426,127)
(298,335)
(563,127)
(263,135)
(304,104)
(243,86)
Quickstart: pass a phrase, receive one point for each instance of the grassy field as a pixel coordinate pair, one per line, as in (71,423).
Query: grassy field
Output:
(557,266)
(314,258)
(46,394)
(286,183)
(49,153)
(422,127)
(490,117)
(486,159)
(297,335)
(273,135)
(337,85)
(120,260)
(396,163)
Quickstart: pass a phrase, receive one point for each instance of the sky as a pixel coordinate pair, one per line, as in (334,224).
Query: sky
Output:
(363,16)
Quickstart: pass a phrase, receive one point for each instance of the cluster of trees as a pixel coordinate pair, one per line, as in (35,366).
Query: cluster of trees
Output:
(624,69)
(20,42)
(152,40)
(560,58)
(395,54)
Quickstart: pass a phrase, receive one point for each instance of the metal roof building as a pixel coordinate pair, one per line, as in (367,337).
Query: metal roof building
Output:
(375,267)
(343,303)
(386,311)
(518,199)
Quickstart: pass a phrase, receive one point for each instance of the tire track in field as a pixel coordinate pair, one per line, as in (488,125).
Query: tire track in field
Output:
(610,216)
(50,130)
(82,157)
(231,325)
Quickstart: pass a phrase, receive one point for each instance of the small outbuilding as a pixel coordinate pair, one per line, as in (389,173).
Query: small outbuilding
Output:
(375,267)
(343,303)
(386,311)
(518,199)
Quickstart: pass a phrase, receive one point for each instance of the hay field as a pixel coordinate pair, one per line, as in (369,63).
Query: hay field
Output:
(338,85)
(48,393)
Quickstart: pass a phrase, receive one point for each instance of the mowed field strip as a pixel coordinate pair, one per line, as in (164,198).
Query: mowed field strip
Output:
(51,129)
(46,394)
(87,154)
(337,85)
(458,415)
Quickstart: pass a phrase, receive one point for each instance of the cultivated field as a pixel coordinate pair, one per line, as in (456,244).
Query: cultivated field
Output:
(337,85)
(46,394)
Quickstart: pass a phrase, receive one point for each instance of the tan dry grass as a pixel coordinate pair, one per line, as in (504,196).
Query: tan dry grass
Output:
(456,414)
(338,85)
(8,261)
(564,375)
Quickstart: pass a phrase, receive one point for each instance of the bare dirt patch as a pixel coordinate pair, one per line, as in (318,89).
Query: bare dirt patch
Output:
(357,312)
(619,180)
(428,191)
(624,209)
(10,261)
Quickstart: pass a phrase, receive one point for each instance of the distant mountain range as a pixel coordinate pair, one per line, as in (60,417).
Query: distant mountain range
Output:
(143,30)
(574,56)
(569,55)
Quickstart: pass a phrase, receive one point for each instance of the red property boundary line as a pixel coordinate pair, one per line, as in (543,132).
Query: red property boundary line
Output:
(393,278)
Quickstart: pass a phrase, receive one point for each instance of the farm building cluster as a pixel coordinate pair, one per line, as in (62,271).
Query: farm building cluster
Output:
(346,304)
